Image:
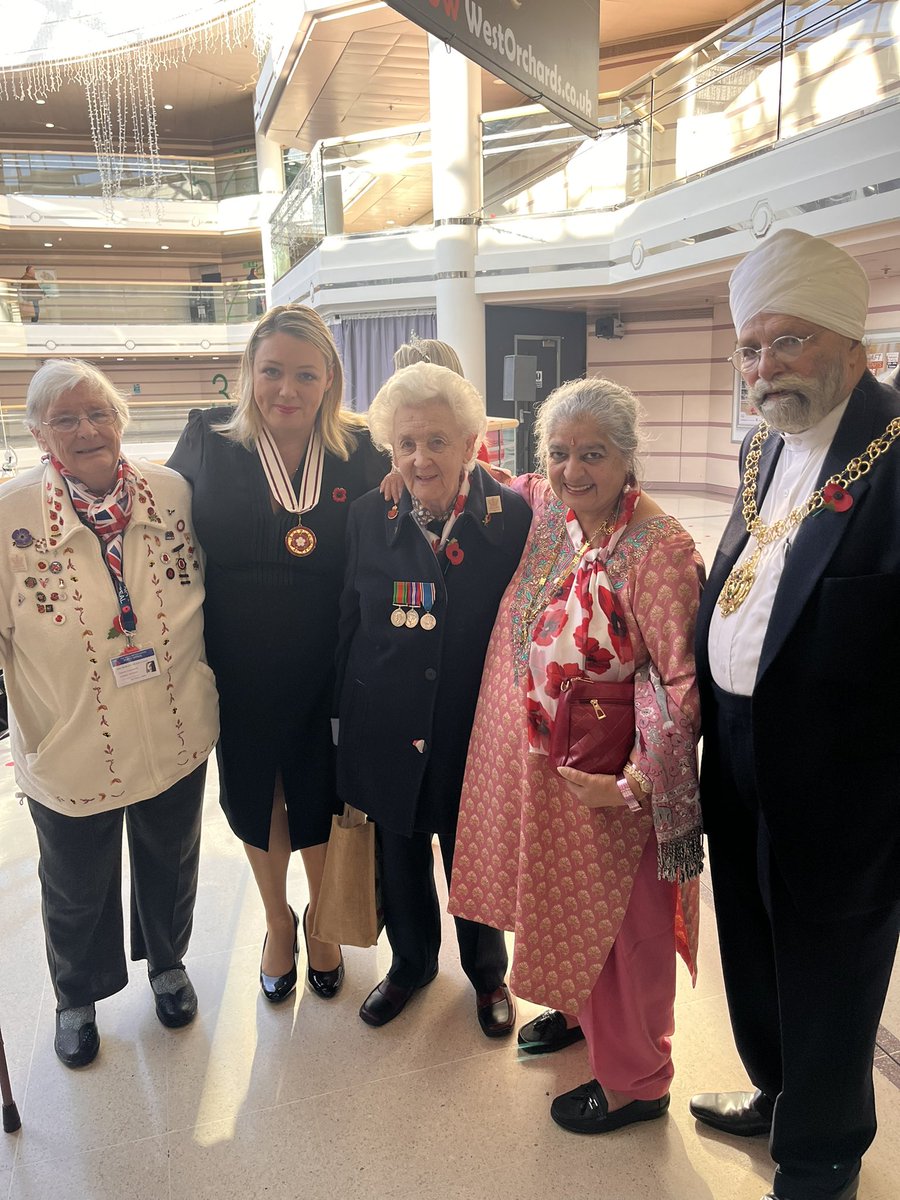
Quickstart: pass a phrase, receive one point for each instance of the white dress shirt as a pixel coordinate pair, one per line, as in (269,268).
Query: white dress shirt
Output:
(735,642)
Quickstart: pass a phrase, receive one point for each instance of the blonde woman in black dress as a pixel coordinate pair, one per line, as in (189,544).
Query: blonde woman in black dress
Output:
(273,481)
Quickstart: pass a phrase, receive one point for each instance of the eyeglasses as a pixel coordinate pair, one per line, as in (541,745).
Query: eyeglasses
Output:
(68,422)
(785,348)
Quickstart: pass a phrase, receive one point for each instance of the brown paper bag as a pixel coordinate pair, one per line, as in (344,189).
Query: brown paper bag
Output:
(348,909)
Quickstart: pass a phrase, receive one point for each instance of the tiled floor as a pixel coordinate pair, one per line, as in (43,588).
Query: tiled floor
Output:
(305,1102)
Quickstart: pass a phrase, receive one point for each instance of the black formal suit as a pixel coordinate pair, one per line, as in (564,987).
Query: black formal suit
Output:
(407,702)
(800,785)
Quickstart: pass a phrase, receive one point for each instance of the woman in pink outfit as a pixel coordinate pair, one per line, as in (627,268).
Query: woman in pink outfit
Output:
(596,874)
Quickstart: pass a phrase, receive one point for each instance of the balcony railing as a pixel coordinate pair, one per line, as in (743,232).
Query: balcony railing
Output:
(74,302)
(779,71)
(62,174)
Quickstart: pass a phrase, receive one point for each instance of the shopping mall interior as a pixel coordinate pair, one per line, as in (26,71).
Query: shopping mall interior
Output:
(168,187)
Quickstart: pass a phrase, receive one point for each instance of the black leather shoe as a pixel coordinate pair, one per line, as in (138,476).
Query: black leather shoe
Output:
(78,1046)
(743,1114)
(276,988)
(326,984)
(388,1000)
(496,1012)
(585,1110)
(849,1192)
(547,1033)
(177,1006)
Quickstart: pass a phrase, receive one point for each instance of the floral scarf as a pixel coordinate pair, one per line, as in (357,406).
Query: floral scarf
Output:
(424,518)
(582,632)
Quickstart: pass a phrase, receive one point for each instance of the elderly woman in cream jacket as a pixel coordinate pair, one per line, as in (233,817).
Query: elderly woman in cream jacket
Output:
(113,711)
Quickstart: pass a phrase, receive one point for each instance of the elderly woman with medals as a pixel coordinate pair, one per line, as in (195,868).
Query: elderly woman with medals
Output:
(579,822)
(273,480)
(112,706)
(424,577)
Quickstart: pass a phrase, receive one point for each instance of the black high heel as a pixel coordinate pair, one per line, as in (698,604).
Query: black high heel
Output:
(326,984)
(276,988)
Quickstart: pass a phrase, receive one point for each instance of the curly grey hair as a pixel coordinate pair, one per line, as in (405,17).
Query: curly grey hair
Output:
(610,406)
(418,385)
(62,375)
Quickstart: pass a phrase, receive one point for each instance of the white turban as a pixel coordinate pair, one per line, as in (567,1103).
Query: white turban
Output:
(796,275)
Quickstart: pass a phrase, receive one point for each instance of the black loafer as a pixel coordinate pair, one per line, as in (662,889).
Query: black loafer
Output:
(177,1008)
(548,1033)
(585,1110)
(388,1000)
(743,1114)
(326,984)
(276,988)
(496,1012)
(850,1192)
(78,1046)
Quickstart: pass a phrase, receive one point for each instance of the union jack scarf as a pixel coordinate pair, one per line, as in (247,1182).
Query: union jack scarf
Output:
(108,515)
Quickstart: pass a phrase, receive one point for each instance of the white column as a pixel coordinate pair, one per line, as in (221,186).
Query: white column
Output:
(454,85)
(270,172)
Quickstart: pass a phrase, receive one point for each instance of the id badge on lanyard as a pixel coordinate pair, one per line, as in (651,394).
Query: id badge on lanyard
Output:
(135,664)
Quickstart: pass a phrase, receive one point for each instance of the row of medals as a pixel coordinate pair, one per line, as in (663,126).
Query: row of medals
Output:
(410,618)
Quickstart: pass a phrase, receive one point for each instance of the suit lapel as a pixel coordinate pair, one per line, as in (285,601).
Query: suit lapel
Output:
(820,534)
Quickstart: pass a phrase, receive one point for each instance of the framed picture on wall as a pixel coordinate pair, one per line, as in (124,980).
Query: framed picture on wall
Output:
(743,415)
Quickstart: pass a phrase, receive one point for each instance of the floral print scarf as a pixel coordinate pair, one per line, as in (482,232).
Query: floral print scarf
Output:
(581,633)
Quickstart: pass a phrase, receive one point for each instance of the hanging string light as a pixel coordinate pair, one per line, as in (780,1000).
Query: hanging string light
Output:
(118,85)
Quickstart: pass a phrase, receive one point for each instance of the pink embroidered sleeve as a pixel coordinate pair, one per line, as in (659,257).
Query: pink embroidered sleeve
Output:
(663,593)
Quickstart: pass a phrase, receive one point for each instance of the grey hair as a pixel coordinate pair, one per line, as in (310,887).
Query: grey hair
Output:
(427,350)
(611,407)
(60,376)
(418,385)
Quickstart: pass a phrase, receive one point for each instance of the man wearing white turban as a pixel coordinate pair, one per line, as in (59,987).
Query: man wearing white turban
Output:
(798,659)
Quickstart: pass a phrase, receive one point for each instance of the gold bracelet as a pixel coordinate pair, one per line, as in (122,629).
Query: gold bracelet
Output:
(637,775)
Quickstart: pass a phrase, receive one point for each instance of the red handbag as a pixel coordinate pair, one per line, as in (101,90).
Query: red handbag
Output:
(594,726)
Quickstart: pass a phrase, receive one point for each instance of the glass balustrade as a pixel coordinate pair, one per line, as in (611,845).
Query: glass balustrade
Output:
(780,70)
(70,302)
(56,173)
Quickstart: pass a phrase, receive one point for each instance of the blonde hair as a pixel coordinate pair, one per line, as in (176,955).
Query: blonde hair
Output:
(337,425)
(421,384)
(427,350)
(60,376)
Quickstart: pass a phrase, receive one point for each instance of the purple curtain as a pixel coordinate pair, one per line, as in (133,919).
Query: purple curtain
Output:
(367,345)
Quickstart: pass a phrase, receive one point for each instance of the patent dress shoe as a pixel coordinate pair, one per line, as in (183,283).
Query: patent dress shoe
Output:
(388,1000)
(496,1012)
(326,984)
(77,1041)
(585,1110)
(548,1033)
(743,1114)
(850,1192)
(276,988)
(176,1000)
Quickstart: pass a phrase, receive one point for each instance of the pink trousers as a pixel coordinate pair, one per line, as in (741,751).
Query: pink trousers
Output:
(629,1017)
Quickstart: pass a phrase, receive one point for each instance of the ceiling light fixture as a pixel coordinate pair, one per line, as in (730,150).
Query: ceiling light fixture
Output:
(107,245)
(48,245)
(118,81)
(164,247)
(49,125)
(168,107)
(40,101)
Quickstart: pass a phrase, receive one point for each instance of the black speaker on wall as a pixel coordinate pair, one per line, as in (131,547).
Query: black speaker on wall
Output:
(609,327)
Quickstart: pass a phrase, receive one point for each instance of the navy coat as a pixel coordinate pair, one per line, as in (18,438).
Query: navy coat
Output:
(825,703)
(408,696)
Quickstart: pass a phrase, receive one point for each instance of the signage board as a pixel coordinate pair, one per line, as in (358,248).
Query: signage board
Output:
(548,51)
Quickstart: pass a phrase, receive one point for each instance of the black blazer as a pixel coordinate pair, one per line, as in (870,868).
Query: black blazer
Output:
(400,686)
(826,704)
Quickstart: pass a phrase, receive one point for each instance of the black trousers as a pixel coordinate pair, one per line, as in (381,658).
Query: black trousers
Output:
(80,870)
(805,997)
(412,916)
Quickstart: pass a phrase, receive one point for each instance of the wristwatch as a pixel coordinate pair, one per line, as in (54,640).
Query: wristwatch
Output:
(627,794)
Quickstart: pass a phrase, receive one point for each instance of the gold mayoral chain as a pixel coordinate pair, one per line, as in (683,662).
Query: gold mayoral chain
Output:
(740,581)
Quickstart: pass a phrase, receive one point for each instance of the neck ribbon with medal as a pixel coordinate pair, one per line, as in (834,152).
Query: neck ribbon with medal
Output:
(300,541)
